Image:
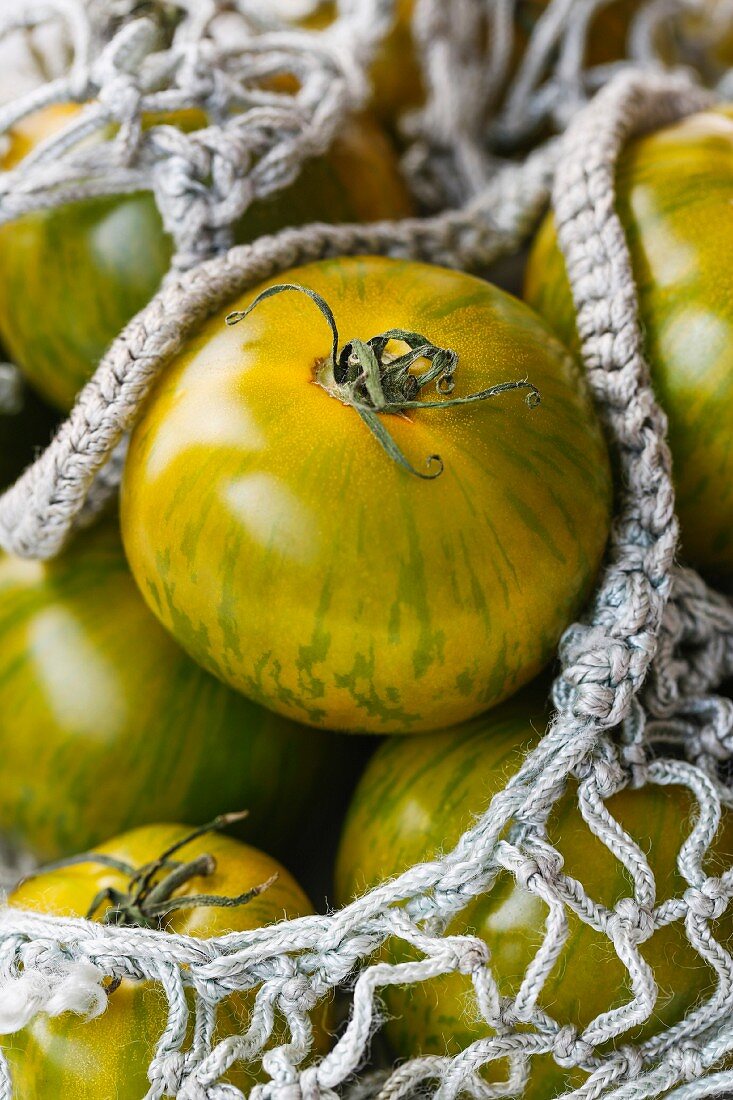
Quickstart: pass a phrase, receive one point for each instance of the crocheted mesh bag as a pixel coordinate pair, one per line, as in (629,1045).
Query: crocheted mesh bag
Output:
(640,669)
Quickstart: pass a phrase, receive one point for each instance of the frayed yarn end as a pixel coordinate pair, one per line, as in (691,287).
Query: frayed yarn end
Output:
(70,987)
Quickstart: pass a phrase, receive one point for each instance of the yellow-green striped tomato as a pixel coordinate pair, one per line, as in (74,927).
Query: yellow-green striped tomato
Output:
(108,724)
(72,277)
(674,195)
(415,800)
(293,558)
(106,1058)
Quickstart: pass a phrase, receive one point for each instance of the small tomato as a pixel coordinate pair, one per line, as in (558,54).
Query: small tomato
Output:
(106,1058)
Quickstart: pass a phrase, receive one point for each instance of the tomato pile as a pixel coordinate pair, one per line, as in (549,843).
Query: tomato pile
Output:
(366,498)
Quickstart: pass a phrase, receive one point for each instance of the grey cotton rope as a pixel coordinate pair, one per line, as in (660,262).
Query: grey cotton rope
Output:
(639,672)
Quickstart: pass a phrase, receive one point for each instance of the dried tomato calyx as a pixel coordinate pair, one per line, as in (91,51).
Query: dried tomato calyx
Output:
(150,895)
(370,379)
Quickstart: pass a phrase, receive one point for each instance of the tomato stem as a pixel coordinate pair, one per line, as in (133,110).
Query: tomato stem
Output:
(145,875)
(148,899)
(365,376)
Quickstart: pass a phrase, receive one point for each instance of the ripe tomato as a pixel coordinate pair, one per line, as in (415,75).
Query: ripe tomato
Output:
(108,724)
(415,800)
(71,278)
(106,1058)
(674,193)
(292,557)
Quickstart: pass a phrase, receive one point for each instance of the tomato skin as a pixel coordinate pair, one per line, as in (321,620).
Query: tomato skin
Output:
(107,1058)
(71,278)
(674,193)
(286,551)
(108,724)
(415,800)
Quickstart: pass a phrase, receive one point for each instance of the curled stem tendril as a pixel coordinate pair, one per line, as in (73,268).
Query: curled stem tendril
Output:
(149,896)
(363,375)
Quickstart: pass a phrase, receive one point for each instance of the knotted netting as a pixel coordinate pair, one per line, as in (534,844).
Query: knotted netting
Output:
(639,672)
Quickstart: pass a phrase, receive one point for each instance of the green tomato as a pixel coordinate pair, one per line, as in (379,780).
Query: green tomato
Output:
(108,724)
(674,191)
(72,277)
(292,557)
(106,1058)
(415,800)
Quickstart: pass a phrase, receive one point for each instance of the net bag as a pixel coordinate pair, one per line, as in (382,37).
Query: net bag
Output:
(640,670)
